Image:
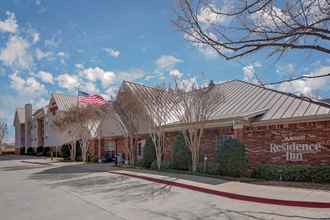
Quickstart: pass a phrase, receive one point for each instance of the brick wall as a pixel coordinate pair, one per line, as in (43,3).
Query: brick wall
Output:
(311,136)
(308,143)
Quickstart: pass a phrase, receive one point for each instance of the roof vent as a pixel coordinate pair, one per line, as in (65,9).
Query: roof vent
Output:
(211,83)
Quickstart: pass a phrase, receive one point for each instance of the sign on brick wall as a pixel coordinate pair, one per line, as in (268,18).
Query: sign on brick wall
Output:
(295,148)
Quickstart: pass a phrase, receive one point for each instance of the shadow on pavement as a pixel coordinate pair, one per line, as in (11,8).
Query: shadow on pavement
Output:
(20,157)
(70,171)
(200,179)
(17,168)
(79,168)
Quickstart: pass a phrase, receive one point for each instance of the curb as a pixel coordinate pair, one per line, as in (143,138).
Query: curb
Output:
(269,201)
(39,163)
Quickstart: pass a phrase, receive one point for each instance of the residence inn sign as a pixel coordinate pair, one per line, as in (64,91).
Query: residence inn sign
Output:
(295,148)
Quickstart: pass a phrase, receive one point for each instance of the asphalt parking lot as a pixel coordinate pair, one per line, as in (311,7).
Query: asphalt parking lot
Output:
(78,191)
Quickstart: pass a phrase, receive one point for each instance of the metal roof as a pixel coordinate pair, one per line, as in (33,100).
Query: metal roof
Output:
(64,102)
(243,98)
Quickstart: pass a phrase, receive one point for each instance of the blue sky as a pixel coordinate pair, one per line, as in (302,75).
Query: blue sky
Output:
(52,46)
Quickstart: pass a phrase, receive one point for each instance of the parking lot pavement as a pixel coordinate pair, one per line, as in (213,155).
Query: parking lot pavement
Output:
(61,191)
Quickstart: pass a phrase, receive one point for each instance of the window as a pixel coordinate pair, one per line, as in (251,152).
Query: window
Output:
(139,149)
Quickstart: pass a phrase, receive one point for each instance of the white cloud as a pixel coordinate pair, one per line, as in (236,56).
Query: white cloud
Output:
(167,62)
(205,49)
(68,81)
(308,87)
(175,73)
(187,84)
(16,53)
(89,87)
(110,93)
(30,86)
(35,37)
(79,66)
(269,17)
(41,54)
(207,16)
(131,75)
(9,25)
(249,73)
(61,54)
(16,82)
(46,77)
(113,52)
(94,74)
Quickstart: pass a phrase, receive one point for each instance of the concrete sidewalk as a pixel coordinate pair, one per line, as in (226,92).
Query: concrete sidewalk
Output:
(243,191)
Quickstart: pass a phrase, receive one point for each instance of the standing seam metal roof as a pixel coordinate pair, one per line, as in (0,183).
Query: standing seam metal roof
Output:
(242,98)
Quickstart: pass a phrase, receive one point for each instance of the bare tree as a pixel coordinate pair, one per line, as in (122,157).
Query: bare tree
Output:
(197,106)
(82,122)
(129,122)
(160,111)
(238,28)
(3,131)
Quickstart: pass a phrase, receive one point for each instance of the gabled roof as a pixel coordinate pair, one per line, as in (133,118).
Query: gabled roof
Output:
(244,99)
(151,97)
(64,102)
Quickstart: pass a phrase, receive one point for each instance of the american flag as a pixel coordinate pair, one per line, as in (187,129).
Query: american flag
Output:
(86,98)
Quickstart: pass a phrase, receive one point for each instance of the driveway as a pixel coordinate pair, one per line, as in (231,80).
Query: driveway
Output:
(78,191)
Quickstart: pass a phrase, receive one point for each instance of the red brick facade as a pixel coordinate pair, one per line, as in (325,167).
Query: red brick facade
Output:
(306,143)
(292,143)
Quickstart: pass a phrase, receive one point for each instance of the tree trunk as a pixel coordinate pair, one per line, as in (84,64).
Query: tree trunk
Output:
(159,161)
(73,151)
(84,150)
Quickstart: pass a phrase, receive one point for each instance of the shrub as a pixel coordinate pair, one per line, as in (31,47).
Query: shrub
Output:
(30,151)
(149,154)
(140,163)
(298,173)
(92,158)
(165,165)
(78,152)
(181,155)
(231,157)
(40,150)
(22,150)
(65,152)
(46,151)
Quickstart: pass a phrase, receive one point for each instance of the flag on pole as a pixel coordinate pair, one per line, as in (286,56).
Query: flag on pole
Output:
(86,98)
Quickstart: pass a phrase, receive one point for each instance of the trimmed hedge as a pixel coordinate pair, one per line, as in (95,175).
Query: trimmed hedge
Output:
(30,151)
(149,154)
(181,155)
(232,158)
(298,173)
(65,152)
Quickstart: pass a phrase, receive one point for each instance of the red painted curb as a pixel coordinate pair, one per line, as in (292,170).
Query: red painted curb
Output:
(305,204)
(31,162)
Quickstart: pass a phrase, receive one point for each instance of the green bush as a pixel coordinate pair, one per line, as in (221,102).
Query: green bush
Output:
(92,158)
(231,157)
(139,163)
(46,151)
(149,154)
(164,166)
(22,150)
(30,151)
(65,152)
(298,173)
(181,155)
(78,152)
